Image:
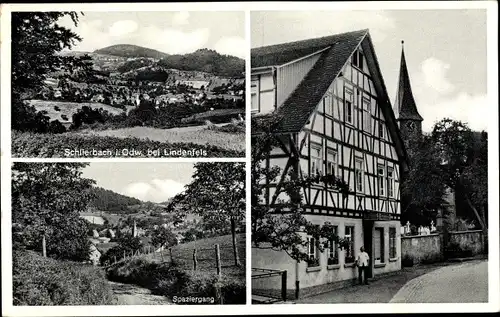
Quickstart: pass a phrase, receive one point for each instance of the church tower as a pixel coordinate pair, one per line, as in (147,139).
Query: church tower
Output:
(405,108)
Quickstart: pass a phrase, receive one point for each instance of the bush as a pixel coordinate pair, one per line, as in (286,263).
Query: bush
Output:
(43,281)
(56,127)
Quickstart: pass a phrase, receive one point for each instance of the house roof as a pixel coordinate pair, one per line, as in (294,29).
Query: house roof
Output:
(301,104)
(405,107)
(279,54)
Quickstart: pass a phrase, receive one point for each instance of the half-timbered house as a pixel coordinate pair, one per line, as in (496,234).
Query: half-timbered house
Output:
(336,118)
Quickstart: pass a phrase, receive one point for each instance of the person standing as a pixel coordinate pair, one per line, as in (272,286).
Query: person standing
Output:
(362,263)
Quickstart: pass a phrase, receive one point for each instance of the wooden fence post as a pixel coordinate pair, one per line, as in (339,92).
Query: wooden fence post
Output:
(115,260)
(283,285)
(124,255)
(217,259)
(44,247)
(162,258)
(171,256)
(195,261)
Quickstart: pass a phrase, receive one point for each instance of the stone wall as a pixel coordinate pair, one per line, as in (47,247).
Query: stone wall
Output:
(422,248)
(468,240)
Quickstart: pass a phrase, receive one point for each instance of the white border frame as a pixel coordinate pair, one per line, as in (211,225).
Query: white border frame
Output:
(493,274)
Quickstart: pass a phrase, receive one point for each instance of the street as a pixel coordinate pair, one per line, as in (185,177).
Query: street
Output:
(462,283)
(435,283)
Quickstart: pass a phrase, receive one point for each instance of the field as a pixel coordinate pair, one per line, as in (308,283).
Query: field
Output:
(69,108)
(194,134)
(183,255)
(77,145)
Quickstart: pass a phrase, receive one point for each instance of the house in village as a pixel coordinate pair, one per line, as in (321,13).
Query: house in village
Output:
(336,118)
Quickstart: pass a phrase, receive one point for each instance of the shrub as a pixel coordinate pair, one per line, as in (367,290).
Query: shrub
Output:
(44,281)
(233,127)
(56,108)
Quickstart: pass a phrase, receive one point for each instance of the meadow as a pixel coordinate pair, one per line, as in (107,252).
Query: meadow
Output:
(74,144)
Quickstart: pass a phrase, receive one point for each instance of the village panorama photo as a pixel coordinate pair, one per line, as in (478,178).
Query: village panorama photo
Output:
(369,157)
(128,234)
(128,84)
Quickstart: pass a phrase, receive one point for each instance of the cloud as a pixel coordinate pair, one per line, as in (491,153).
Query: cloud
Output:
(434,75)
(472,109)
(123,27)
(157,190)
(232,45)
(180,18)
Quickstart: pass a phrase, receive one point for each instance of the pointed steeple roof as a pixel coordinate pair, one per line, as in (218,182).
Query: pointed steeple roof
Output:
(405,107)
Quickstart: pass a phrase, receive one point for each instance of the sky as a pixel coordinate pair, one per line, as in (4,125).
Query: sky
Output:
(169,32)
(445,52)
(155,182)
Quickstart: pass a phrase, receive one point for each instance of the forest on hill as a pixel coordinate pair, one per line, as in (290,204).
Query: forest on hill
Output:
(128,50)
(108,200)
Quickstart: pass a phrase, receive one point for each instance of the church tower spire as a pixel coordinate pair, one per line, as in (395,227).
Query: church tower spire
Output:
(405,107)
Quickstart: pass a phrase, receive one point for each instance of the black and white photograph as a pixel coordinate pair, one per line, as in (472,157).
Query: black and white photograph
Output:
(128,84)
(128,233)
(369,156)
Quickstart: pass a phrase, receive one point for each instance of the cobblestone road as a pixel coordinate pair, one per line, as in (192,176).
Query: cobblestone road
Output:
(461,283)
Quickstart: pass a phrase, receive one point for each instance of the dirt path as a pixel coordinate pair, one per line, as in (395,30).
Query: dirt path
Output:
(129,294)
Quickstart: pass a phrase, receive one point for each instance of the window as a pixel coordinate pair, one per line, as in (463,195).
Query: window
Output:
(312,252)
(348,106)
(349,251)
(381,179)
(331,162)
(333,253)
(392,243)
(381,129)
(367,116)
(255,95)
(357,59)
(316,160)
(390,181)
(379,246)
(359,174)
(327,102)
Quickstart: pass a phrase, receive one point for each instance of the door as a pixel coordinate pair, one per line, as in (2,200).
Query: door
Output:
(368,244)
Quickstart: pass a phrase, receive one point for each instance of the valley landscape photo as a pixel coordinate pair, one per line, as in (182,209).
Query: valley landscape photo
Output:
(128,233)
(128,84)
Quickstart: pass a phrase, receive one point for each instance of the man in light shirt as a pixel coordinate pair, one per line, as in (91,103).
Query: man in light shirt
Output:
(362,263)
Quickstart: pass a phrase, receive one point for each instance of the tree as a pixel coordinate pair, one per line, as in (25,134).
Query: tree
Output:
(163,237)
(47,199)
(422,188)
(281,227)
(463,164)
(217,192)
(36,39)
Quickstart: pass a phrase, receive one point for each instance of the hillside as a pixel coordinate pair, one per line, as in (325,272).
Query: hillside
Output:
(128,50)
(110,201)
(206,60)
